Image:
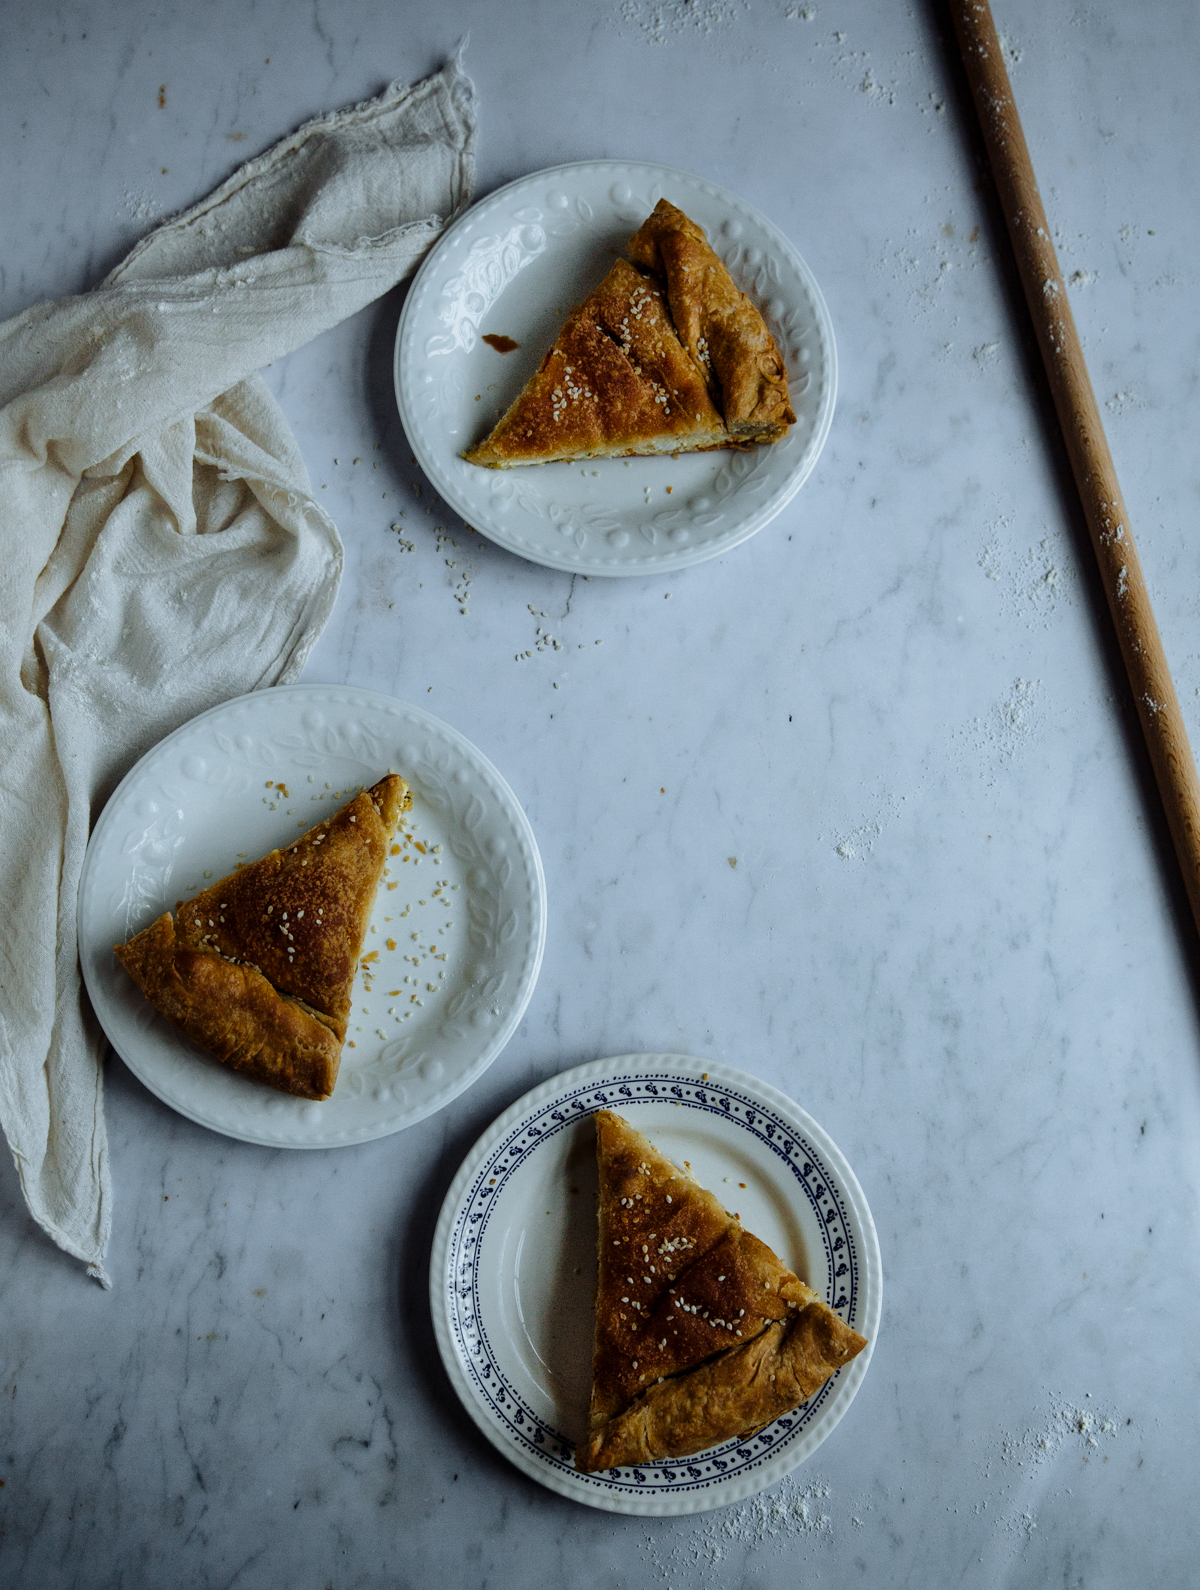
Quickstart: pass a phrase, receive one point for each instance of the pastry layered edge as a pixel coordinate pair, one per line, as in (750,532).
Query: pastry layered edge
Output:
(730,1397)
(720,326)
(230,1009)
(657,447)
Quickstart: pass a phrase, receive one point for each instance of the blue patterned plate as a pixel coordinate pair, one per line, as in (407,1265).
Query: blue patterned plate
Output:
(513,1274)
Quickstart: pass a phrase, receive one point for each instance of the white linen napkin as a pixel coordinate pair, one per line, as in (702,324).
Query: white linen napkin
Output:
(160,547)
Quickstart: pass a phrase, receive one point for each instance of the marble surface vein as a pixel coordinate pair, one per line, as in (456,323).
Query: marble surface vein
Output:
(860,808)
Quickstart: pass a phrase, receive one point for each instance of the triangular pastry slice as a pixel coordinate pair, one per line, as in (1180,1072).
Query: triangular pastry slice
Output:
(259,967)
(702,1334)
(666,356)
(616,383)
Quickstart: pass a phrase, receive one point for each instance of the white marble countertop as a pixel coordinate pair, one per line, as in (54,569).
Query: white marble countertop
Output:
(954,932)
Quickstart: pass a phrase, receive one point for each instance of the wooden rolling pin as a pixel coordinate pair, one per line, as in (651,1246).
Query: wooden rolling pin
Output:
(1091,462)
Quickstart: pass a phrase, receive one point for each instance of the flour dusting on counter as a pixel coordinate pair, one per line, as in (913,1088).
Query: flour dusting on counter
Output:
(1119,402)
(1011,51)
(1031,580)
(1083,1428)
(676,18)
(782,1517)
(858,842)
(140,205)
(928,258)
(1004,731)
(1082,1431)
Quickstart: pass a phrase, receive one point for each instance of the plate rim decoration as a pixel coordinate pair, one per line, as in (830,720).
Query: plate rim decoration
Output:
(172,781)
(455,287)
(462,1315)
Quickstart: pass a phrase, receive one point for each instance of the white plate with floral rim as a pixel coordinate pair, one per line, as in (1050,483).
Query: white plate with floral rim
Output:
(463,904)
(513,1271)
(513,267)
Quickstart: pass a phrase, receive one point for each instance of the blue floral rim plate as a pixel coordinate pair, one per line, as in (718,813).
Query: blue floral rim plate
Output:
(513,1272)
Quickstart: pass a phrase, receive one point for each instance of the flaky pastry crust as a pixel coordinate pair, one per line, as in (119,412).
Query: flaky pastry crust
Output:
(259,967)
(616,383)
(684,1291)
(666,356)
(730,1397)
(231,1010)
(718,324)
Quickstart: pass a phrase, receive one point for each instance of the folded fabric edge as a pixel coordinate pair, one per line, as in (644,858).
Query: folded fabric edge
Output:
(94,1263)
(449,93)
(460,86)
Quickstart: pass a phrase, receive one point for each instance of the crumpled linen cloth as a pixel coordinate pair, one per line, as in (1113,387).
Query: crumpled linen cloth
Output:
(160,547)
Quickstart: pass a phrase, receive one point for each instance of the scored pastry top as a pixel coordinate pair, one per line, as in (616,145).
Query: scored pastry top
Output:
(259,968)
(667,355)
(299,915)
(680,1278)
(702,1333)
(616,381)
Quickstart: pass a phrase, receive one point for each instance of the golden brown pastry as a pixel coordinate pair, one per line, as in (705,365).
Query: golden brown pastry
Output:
(666,356)
(615,384)
(718,325)
(702,1333)
(234,1012)
(258,968)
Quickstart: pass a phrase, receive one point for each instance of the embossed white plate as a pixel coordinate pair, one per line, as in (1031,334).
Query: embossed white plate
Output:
(466,915)
(514,266)
(513,1272)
